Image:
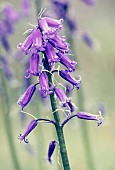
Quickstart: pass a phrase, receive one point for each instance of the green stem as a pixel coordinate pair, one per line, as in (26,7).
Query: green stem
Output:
(59,129)
(80,97)
(7,122)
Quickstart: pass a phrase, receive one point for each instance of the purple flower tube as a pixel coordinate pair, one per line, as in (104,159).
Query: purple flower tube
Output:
(29,128)
(26,97)
(89,116)
(44,86)
(34,65)
(65,75)
(65,60)
(51,54)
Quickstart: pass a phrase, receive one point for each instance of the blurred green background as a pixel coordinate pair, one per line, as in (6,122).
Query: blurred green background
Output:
(97,68)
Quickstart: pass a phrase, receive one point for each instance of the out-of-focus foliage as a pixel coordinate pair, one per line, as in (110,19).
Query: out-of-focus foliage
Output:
(97,68)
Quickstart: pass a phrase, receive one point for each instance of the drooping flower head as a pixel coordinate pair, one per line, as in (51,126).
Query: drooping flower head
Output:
(45,39)
(65,75)
(65,101)
(29,128)
(26,97)
(34,65)
(89,116)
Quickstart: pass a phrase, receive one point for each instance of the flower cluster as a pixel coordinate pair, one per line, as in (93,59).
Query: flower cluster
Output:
(47,49)
(45,44)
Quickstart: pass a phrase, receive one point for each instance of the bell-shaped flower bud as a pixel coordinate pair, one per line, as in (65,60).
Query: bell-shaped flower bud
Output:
(54,22)
(44,86)
(89,116)
(65,101)
(65,75)
(51,54)
(26,97)
(29,128)
(66,61)
(51,149)
(34,65)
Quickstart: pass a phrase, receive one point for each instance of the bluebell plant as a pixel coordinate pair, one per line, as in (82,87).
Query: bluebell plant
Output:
(49,56)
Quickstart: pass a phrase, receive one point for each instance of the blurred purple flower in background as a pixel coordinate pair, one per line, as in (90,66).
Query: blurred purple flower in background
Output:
(25,8)
(60,7)
(88,40)
(6,67)
(9,17)
(10,13)
(89,2)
